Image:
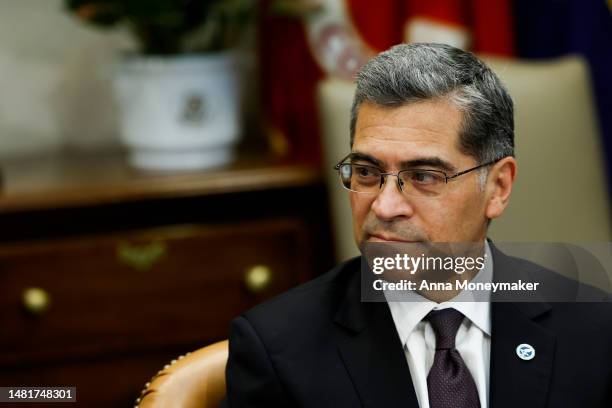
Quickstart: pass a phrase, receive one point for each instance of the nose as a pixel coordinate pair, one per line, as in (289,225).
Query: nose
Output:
(391,203)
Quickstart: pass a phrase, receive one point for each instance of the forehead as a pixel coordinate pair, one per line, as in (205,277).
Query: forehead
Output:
(428,128)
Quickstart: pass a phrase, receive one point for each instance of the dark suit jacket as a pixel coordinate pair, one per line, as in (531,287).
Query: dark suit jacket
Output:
(318,345)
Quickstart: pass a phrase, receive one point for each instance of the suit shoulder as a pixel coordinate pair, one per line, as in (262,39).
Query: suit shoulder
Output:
(577,306)
(587,318)
(565,285)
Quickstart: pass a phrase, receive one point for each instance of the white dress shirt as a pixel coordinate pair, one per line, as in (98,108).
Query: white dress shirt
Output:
(473,340)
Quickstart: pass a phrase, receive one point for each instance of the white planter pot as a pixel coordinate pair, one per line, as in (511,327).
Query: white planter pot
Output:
(179,113)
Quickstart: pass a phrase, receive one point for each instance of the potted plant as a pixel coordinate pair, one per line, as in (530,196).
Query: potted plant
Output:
(179,95)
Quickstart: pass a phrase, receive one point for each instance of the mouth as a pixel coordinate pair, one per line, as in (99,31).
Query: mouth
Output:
(386,238)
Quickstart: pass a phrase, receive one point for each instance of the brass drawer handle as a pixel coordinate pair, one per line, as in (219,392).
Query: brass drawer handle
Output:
(36,301)
(141,257)
(258,278)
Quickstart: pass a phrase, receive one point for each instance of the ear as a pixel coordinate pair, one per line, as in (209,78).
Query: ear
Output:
(499,186)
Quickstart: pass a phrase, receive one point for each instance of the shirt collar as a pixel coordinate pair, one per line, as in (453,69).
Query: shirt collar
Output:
(408,313)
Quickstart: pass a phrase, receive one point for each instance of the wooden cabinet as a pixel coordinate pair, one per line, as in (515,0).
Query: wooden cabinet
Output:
(107,274)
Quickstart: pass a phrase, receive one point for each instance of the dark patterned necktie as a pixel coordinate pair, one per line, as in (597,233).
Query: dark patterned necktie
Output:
(449,382)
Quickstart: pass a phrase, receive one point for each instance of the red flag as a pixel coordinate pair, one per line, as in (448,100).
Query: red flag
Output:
(482,26)
(289,75)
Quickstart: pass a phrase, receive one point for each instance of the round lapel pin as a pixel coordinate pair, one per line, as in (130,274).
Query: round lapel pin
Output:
(525,351)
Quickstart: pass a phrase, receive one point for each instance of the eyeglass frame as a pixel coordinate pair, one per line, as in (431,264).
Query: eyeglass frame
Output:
(383,175)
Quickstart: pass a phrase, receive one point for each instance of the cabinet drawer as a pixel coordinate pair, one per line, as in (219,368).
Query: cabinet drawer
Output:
(144,289)
(109,382)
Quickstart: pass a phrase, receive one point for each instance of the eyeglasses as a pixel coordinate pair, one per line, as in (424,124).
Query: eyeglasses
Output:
(363,178)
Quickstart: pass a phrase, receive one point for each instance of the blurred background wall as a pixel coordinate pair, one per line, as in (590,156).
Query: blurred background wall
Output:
(55,79)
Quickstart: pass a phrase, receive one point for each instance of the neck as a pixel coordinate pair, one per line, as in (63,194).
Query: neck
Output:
(453,278)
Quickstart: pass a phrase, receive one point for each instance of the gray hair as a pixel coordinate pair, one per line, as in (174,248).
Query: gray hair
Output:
(409,73)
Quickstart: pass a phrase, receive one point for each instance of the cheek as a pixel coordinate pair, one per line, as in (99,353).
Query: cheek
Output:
(360,208)
(455,218)
(435,215)
(469,215)
(360,205)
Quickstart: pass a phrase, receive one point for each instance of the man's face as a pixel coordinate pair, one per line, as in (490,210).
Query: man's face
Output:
(422,135)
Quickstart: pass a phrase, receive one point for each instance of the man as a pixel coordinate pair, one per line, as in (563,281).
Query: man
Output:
(432,145)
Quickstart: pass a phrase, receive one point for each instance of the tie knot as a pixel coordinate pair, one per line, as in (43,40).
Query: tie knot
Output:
(445,324)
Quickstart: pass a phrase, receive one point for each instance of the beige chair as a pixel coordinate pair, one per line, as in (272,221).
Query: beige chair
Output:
(194,380)
(560,193)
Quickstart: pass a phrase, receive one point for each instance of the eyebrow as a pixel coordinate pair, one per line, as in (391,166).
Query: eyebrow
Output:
(434,162)
(367,158)
(428,162)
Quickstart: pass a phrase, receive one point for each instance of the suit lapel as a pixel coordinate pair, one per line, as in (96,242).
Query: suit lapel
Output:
(515,382)
(371,351)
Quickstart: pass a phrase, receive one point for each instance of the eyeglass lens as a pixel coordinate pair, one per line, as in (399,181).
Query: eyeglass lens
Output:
(369,179)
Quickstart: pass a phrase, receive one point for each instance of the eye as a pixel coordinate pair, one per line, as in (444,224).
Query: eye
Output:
(363,171)
(424,177)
